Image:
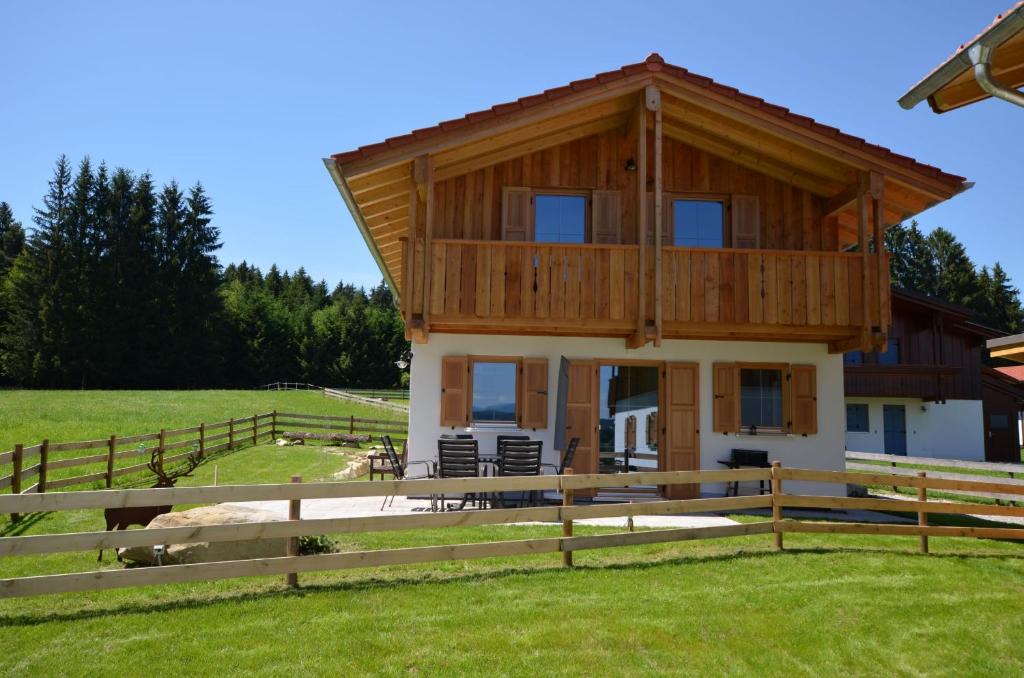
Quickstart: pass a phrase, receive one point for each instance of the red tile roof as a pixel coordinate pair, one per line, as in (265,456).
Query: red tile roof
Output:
(1016,371)
(653,64)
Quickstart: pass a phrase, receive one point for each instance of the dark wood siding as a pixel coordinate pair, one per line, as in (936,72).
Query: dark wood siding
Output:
(939,358)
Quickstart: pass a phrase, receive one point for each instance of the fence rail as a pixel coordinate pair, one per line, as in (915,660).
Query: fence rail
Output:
(910,466)
(30,461)
(777,525)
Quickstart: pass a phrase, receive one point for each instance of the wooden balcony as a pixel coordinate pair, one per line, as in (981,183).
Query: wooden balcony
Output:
(502,287)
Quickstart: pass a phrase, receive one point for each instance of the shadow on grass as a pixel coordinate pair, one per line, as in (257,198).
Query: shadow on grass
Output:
(435,578)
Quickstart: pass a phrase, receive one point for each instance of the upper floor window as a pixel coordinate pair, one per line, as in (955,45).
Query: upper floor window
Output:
(853,358)
(560,218)
(892,355)
(698,223)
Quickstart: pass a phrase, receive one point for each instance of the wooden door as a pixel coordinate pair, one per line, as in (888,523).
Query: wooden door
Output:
(581,417)
(682,426)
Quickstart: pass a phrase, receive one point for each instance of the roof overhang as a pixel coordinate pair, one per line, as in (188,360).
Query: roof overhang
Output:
(1010,348)
(376,181)
(953,84)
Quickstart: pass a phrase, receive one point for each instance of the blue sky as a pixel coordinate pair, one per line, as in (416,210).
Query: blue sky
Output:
(248,97)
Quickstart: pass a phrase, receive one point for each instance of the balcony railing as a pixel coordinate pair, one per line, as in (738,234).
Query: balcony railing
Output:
(595,290)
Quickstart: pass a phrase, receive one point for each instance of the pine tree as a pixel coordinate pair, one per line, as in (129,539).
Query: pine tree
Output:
(1003,309)
(12,239)
(956,279)
(912,262)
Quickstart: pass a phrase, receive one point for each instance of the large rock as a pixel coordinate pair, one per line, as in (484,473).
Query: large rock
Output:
(205,552)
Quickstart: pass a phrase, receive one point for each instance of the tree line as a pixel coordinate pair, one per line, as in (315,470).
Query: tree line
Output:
(937,264)
(119,286)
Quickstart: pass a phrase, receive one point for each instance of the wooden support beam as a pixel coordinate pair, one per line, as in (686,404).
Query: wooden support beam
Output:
(409,250)
(840,202)
(641,222)
(654,103)
(428,237)
(862,242)
(877,187)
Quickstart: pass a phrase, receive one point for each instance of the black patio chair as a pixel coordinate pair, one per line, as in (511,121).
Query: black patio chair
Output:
(458,458)
(456,436)
(400,469)
(520,458)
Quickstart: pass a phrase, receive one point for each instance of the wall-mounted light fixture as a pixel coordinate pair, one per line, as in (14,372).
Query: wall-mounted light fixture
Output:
(630,165)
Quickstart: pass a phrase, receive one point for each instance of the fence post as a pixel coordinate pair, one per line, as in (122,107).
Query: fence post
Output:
(202,438)
(351,424)
(231,432)
(776,508)
(111,446)
(16,460)
(922,517)
(254,429)
(567,500)
(273,425)
(160,449)
(294,513)
(44,456)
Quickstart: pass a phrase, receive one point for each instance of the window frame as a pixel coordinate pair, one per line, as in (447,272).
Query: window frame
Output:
(784,374)
(724,198)
(588,200)
(515,360)
(867,418)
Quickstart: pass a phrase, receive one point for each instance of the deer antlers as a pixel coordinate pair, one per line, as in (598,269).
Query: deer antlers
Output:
(157,467)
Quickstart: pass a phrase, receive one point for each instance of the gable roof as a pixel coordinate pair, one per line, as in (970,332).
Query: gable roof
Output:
(952,84)
(653,64)
(375,179)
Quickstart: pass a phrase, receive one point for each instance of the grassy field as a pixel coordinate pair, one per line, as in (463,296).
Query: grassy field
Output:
(29,416)
(828,604)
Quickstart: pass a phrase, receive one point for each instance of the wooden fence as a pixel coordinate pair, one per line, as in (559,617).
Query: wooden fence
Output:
(289,386)
(896,462)
(777,525)
(364,400)
(34,467)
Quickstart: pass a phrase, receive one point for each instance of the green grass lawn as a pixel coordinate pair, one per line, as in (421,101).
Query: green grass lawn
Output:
(828,604)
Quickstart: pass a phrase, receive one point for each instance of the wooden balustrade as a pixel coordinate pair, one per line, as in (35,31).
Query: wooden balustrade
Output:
(588,290)
(509,285)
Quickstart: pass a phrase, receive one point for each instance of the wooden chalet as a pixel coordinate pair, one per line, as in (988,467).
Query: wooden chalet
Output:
(646,217)
(930,394)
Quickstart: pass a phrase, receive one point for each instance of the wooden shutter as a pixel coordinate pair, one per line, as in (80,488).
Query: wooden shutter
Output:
(746,224)
(606,217)
(726,410)
(516,213)
(581,417)
(631,432)
(803,388)
(682,426)
(534,396)
(455,391)
(667,228)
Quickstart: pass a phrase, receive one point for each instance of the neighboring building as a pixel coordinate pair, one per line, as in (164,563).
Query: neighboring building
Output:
(990,64)
(647,221)
(929,395)
(1014,375)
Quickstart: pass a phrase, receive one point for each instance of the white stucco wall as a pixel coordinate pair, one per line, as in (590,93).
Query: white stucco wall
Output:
(822,451)
(951,430)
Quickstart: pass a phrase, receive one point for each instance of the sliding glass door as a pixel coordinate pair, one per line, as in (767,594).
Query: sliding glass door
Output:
(628,418)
